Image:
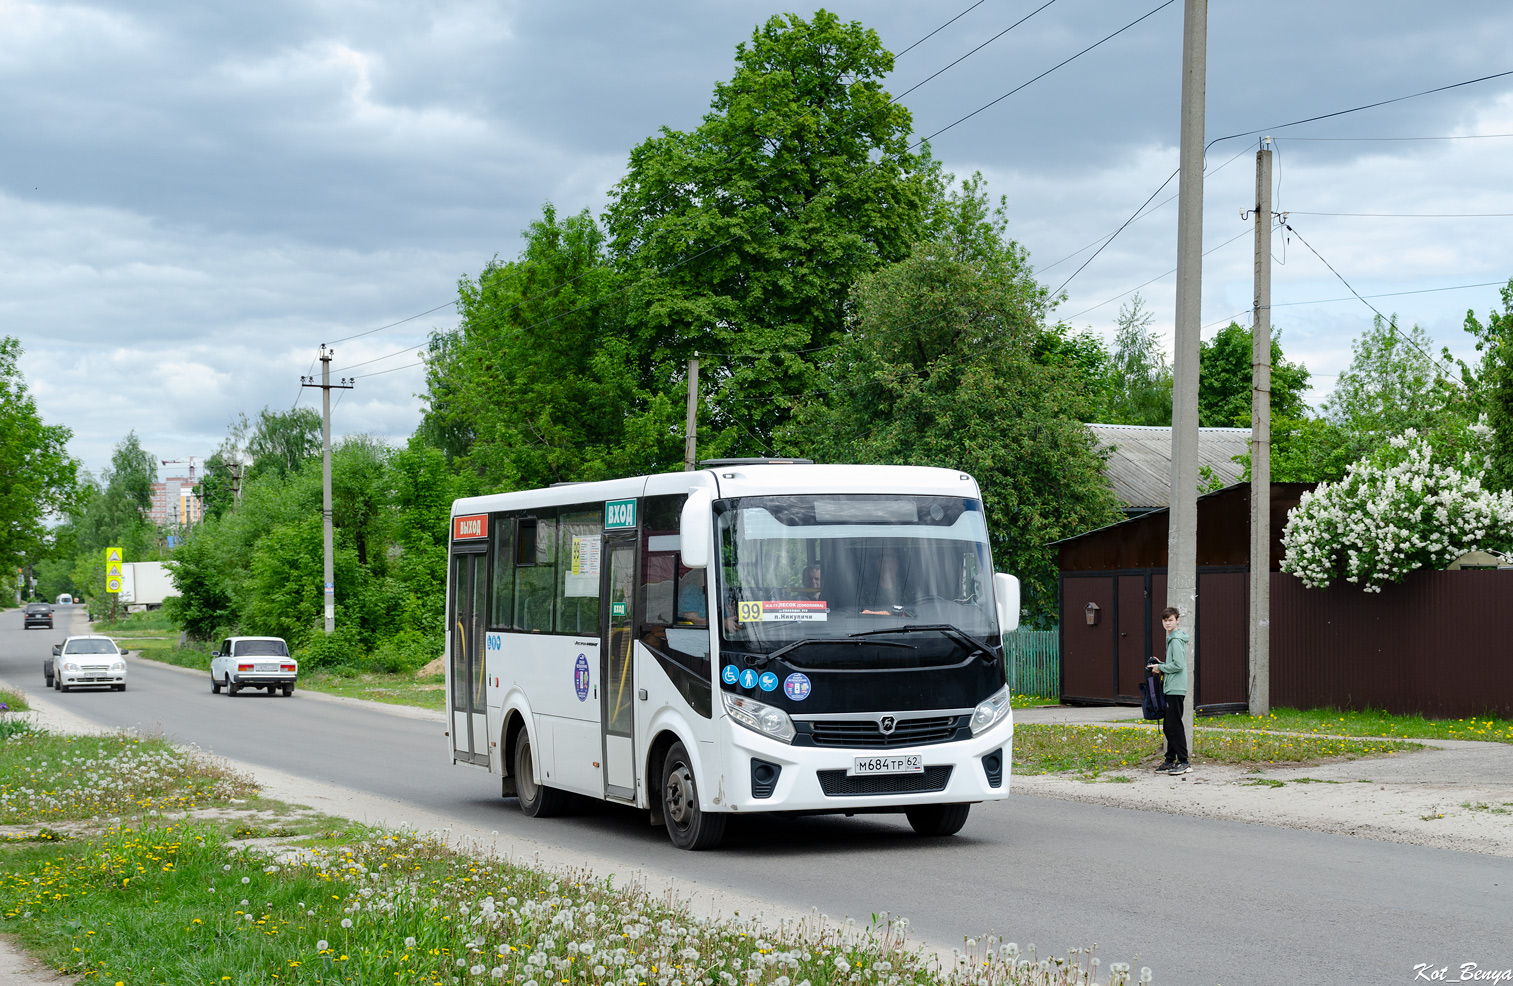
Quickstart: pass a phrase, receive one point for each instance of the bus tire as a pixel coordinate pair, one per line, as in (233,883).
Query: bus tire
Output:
(938,819)
(689,826)
(536,799)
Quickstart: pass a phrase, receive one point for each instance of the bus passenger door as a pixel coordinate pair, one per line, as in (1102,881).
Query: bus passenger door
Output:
(619,691)
(469,604)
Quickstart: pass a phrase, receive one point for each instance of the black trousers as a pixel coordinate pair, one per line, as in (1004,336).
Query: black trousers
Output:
(1176,736)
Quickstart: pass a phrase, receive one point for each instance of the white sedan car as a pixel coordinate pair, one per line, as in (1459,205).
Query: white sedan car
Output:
(88,660)
(253,662)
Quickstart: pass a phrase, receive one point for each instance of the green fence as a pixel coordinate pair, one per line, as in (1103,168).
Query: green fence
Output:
(1034,661)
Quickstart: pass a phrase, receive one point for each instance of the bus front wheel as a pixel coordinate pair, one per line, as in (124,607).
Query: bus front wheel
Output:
(689,826)
(536,799)
(938,819)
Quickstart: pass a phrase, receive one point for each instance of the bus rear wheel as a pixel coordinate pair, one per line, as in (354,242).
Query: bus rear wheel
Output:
(938,819)
(689,826)
(536,799)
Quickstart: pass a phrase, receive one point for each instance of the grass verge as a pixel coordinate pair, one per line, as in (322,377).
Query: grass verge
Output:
(1096,749)
(144,898)
(1373,722)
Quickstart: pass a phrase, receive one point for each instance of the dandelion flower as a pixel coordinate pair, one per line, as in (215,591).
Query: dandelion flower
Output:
(322,945)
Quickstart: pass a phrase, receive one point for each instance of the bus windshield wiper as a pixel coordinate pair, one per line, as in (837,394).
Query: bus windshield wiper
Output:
(763,660)
(950,630)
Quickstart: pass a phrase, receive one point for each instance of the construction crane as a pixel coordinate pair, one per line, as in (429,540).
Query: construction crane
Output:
(179,462)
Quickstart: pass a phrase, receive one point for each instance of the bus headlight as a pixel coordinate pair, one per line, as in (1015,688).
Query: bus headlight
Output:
(759,716)
(991,711)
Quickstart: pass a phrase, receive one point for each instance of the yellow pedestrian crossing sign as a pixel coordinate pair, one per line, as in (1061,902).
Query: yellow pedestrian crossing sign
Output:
(112,555)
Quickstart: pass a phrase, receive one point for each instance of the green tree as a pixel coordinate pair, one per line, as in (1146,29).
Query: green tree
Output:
(38,478)
(744,237)
(539,378)
(941,369)
(1491,385)
(281,440)
(1393,384)
(1225,374)
(1140,379)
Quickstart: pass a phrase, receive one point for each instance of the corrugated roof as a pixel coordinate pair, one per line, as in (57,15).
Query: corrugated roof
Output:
(1140,466)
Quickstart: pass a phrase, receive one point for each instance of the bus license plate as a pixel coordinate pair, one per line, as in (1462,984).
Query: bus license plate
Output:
(860,766)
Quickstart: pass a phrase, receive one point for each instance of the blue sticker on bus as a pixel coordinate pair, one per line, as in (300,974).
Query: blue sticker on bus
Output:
(796,686)
(580,677)
(748,678)
(768,681)
(730,674)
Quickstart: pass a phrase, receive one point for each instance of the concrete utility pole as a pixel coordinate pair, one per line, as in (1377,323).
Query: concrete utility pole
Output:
(1182,537)
(326,386)
(1260,447)
(690,429)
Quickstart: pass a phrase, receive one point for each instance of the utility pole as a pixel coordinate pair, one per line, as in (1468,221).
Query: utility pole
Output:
(690,429)
(326,386)
(1260,446)
(1182,537)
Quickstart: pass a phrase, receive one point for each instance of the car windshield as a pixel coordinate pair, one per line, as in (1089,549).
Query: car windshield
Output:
(36,608)
(823,567)
(91,647)
(261,648)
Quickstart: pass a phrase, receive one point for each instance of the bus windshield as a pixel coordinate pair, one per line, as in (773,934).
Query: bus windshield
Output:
(828,566)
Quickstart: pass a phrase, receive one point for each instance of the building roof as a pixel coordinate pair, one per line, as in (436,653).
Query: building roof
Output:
(1140,466)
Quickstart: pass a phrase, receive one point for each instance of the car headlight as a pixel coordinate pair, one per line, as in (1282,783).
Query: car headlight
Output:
(118,666)
(990,711)
(759,716)
(70,666)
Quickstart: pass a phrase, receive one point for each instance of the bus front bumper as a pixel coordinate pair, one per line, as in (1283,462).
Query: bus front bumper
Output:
(815,779)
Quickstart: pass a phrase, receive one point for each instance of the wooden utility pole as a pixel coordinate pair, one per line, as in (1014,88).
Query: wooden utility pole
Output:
(690,428)
(1182,539)
(1260,447)
(326,386)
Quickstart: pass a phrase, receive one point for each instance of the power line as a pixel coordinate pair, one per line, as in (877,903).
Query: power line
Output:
(1407,215)
(396,369)
(378,359)
(933,33)
(1445,137)
(1389,294)
(392,324)
(1406,338)
(1357,109)
(973,51)
(1158,277)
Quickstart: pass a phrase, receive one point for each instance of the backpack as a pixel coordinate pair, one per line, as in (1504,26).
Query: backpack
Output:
(1152,698)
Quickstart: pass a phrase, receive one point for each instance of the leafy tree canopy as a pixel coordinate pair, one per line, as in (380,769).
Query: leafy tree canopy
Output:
(1225,376)
(744,237)
(37,476)
(281,440)
(1139,378)
(1491,385)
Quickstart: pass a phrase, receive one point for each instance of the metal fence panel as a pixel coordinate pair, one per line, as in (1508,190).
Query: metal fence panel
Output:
(1034,661)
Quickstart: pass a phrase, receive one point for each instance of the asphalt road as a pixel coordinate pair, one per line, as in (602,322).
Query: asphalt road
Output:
(1198,900)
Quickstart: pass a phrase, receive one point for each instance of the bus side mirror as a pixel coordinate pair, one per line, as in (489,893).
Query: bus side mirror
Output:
(694,529)
(1006,595)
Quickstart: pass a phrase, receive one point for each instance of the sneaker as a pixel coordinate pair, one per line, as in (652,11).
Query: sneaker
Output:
(1165,767)
(1180,768)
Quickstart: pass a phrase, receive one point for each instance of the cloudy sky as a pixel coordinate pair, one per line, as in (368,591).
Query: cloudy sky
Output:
(194,196)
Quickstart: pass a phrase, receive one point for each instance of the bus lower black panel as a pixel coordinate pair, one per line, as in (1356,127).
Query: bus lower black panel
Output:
(836,783)
(764,777)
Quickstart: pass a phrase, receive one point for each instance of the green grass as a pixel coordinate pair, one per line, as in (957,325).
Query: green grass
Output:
(1372,722)
(153,622)
(14,700)
(154,901)
(1032,701)
(1096,749)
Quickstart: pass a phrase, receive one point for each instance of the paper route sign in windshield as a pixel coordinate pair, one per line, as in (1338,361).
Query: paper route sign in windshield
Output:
(780,610)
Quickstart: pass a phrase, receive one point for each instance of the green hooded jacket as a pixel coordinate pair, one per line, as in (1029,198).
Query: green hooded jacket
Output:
(1174,668)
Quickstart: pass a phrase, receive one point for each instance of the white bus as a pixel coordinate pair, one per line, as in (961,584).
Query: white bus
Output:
(750,637)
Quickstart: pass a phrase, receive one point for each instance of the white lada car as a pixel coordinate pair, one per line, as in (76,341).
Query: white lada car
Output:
(87,660)
(253,662)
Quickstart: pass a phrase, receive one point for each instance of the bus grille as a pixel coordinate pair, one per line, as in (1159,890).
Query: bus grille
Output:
(864,732)
(836,784)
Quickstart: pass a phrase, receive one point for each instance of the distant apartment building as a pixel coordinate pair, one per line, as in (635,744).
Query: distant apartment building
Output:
(174,503)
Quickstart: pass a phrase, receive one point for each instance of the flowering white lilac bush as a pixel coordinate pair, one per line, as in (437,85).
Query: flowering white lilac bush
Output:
(1407,506)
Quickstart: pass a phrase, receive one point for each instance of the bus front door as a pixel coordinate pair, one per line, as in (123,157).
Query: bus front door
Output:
(616,671)
(469,712)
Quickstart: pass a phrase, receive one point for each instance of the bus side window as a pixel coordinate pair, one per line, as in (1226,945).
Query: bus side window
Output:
(502,603)
(536,572)
(580,551)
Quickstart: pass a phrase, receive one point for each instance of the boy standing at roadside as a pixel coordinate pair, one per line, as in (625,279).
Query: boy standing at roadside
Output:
(1174,685)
